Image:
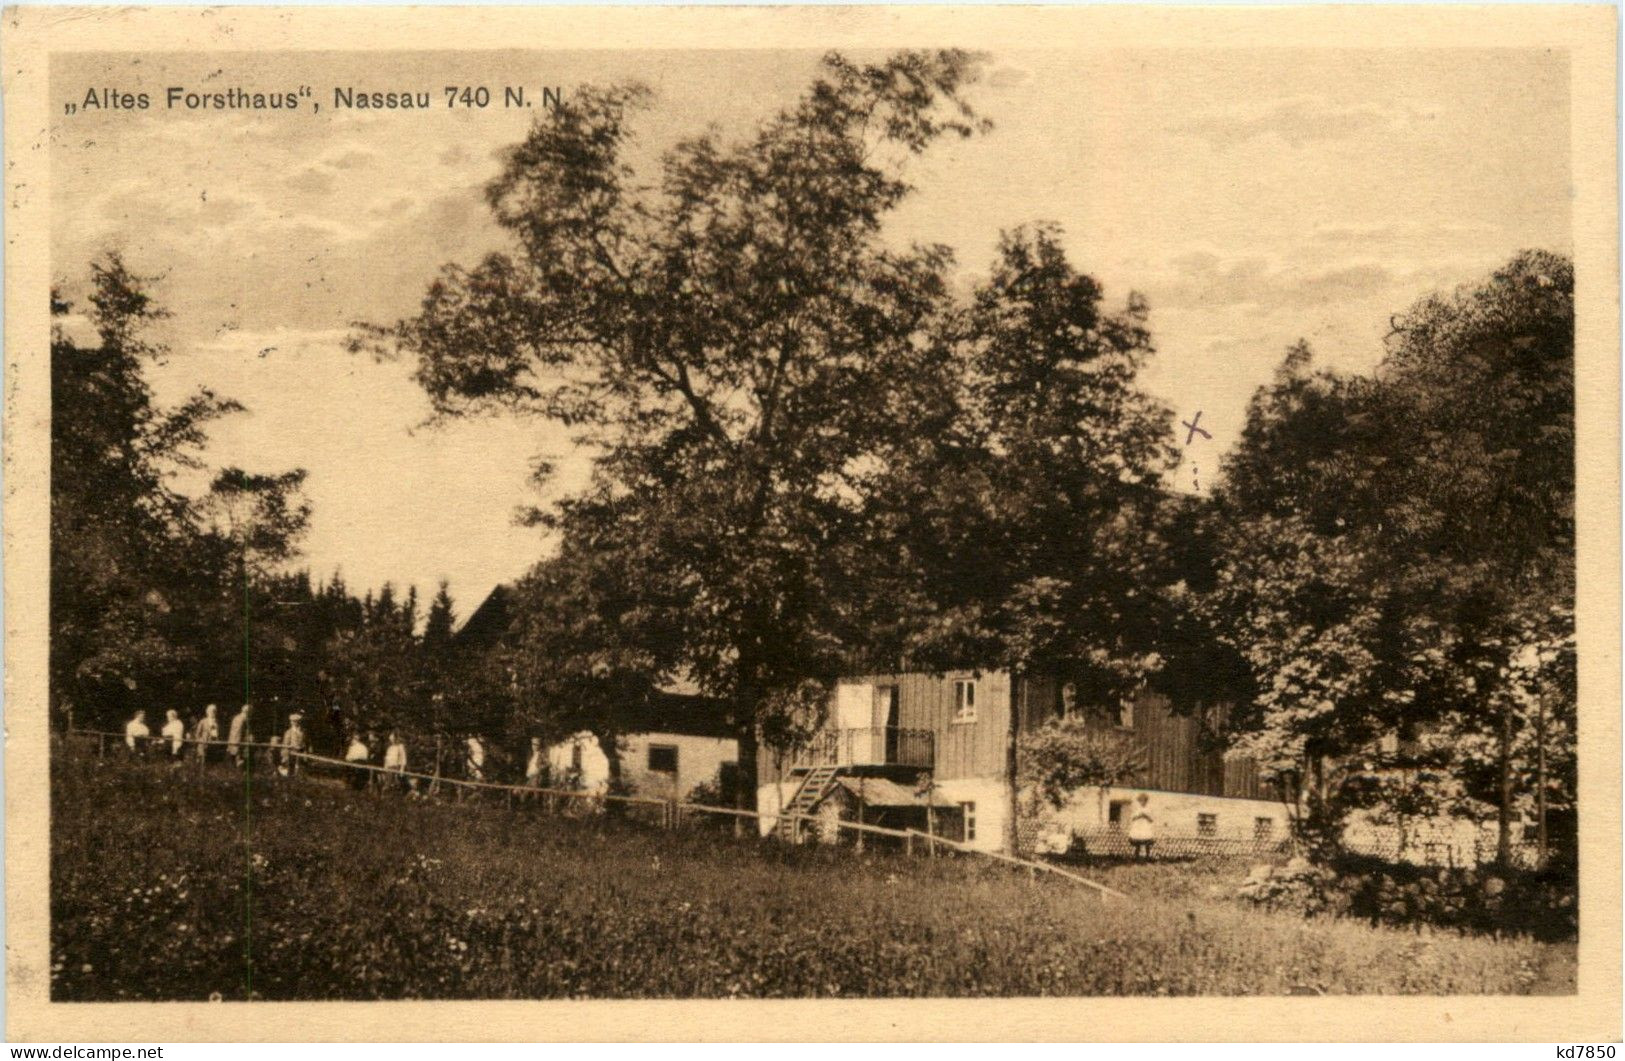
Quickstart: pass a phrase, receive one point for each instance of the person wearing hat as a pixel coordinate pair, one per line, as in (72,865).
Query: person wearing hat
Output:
(293,743)
(206,733)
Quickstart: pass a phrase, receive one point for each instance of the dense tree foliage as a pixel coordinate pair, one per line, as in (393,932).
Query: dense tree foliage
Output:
(162,599)
(731,336)
(1396,557)
(813,454)
(148,584)
(1027,515)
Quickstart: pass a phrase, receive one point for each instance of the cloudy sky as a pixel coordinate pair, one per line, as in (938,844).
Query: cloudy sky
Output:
(1254,197)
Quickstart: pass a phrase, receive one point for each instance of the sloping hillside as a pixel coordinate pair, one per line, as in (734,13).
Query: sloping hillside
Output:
(171,886)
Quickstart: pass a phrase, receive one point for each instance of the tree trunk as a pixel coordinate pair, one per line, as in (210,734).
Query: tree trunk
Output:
(1012,833)
(610,745)
(1503,813)
(1542,847)
(744,795)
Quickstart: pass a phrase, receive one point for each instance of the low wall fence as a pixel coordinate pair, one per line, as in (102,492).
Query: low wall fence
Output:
(1107,842)
(273,759)
(1386,844)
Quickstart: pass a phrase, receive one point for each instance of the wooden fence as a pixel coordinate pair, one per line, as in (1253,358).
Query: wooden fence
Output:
(672,813)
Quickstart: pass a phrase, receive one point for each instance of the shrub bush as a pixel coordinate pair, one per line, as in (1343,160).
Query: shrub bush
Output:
(1485,900)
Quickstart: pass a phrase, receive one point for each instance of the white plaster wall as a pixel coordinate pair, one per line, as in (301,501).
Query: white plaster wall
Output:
(1175,813)
(699,760)
(992,799)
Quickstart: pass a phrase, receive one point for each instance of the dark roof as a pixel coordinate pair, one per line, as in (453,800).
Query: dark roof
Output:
(882,792)
(679,706)
(490,620)
(689,715)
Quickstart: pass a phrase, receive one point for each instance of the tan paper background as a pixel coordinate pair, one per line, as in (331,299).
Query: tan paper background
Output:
(29,37)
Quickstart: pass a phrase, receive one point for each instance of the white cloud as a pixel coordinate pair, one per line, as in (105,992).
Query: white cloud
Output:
(1302,120)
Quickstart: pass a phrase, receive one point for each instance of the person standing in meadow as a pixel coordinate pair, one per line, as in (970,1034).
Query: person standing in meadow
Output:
(1142,828)
(536,765)
(359,755)
(238,736)
(136,733)
(293,743)
(174,732)
(206,733)
(395,758)
(474,758)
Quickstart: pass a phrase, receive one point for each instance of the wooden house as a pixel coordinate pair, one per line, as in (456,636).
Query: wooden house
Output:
(950,738)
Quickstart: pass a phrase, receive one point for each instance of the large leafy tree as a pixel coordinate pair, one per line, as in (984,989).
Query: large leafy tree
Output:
(730,336)
(142,581)
(1029,515)
(1025,523)
(1395,547)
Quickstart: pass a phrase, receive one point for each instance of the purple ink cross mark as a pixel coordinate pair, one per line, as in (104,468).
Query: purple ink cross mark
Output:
(1194,430)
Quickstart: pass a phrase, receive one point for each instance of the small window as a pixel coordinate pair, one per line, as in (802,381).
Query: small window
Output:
(1263,828)
(663,758)
(1207,825)
(965,700)
(968,811)
(1117,811)
(1125,714)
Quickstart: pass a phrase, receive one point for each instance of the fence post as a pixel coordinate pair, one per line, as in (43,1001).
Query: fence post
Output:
(908,843)
(101,746)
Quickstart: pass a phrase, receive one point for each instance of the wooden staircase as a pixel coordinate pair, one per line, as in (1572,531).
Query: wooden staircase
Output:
(814,787)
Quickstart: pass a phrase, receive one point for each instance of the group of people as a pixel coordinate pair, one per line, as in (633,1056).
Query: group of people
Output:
(204,736)
(361,752)
(284,752)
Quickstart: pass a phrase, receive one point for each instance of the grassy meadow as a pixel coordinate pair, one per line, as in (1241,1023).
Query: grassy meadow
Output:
(167,885)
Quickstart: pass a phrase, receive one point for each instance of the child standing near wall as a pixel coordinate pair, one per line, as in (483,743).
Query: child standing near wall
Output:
(1142,828)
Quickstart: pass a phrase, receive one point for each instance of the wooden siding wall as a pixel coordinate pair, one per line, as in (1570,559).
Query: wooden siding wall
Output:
(1178,761)
(963,749)
(926,702)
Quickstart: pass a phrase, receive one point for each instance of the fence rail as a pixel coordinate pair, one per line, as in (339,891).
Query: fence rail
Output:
(672,813)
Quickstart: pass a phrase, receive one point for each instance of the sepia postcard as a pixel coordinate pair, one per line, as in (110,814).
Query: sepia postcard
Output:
(812,523)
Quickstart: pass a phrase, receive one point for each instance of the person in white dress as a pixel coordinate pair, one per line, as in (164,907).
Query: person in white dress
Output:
(174,732)
(1142,828)
(358,753)
(136,733)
